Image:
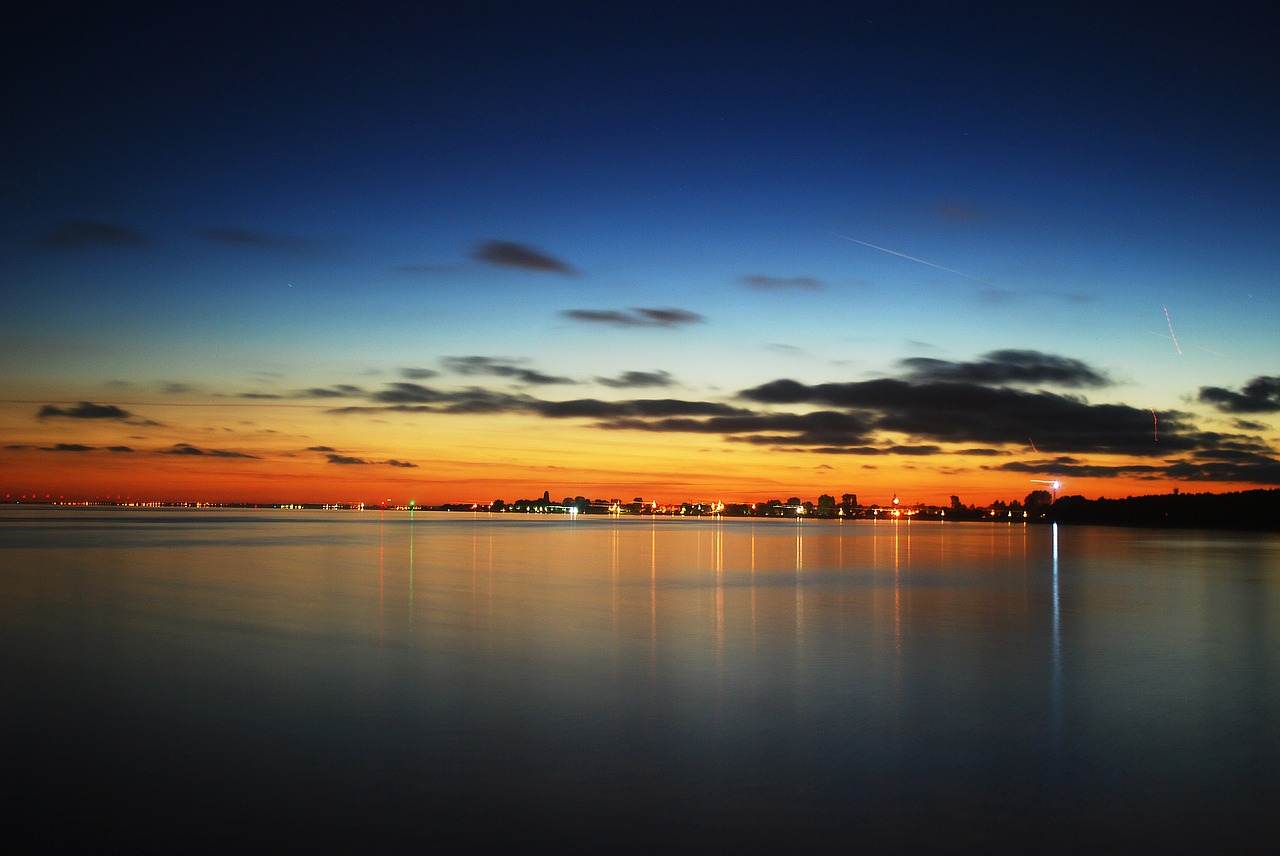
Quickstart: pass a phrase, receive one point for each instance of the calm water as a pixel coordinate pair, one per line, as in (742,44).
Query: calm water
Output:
(295,680)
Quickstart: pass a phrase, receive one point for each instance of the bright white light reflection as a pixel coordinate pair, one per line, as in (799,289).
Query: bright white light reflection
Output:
(1057,644)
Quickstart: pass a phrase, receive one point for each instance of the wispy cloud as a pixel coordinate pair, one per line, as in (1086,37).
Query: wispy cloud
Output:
(348,460)
(1009,367)
(637,380)
(412,373)
(994,406)
(762,282)
(337,390)
(502,367)
(819,428)
(635,317)
(1260,395)
(188,449)
(996,416)
(403,392)
(78,234)
(509,254)
(85,410)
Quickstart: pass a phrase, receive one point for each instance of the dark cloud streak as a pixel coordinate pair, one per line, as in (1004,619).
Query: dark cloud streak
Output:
(1009,367)
(513,255)
(637,317)
(497,367)
(1260,395)
(762,282)
(188,449)
(637,380)
(85,410)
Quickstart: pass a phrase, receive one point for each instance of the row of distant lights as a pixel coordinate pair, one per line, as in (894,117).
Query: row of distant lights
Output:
(715,508)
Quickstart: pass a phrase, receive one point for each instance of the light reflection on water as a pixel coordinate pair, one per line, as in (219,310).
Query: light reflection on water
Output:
(477,679)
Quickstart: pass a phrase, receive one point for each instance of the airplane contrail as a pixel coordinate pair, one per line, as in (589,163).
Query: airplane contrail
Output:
(914,259)
(1171,334)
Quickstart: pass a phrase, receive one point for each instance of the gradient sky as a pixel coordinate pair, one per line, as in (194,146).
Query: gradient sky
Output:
(684,251)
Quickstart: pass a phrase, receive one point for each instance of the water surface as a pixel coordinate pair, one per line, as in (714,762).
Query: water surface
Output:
(288,679)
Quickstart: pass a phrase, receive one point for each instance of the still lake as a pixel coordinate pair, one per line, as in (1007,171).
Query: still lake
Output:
(302,680)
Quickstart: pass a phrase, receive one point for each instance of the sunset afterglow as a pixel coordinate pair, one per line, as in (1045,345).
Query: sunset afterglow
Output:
(651,253)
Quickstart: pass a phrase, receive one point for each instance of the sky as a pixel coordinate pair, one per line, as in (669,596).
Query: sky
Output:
(281,252)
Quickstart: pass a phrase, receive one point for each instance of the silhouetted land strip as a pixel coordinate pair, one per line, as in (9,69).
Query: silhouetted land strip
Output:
(1250,510)
(1254,510)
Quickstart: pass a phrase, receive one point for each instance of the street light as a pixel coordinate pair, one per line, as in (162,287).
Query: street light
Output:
(1053,483)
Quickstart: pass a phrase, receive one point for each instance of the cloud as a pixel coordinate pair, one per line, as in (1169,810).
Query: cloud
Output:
(1073,468)
(266,396)
(411,373)
(251,238)
(634,380)
(1000,417)
(762,282)
(85,410)
(651,408)
(1009,367)
(408,393)
(188,449)
(173,387)
(346,460)
(1260,395)
(475,400)
(79,447)
(1265,471)
(818,428)
(508,254)
(320,449)
(499,367)
(993,295)
(635,317)
(979,408)
(1206,466)
(78,234)
(891,449)
(337,390)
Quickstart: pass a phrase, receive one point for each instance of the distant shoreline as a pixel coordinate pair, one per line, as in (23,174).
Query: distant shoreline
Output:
(1251,510)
